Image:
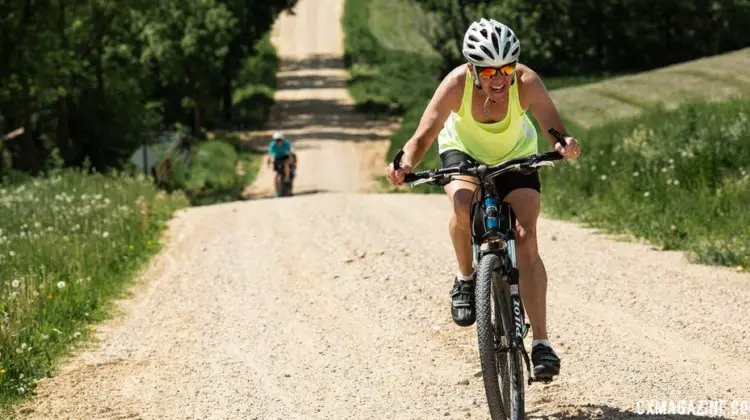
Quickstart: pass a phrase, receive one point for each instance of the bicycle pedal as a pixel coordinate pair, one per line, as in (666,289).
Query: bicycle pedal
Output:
(542,380)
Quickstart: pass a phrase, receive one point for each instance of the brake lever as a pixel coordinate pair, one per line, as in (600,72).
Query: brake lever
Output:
(542,163)
(419,182)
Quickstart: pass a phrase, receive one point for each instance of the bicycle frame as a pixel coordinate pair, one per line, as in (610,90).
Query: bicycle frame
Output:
(499,238)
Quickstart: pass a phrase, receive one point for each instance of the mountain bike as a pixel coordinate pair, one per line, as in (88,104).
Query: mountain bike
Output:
(500,316)
(283,186)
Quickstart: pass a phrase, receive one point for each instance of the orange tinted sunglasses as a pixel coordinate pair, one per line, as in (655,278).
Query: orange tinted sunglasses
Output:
(490,72)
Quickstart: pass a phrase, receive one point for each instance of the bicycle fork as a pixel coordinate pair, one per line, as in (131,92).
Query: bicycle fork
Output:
(521,327)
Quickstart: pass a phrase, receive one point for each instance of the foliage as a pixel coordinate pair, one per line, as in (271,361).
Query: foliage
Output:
(90,78)
(597,36)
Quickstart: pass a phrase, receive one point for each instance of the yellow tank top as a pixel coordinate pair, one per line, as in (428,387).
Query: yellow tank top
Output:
(489,143)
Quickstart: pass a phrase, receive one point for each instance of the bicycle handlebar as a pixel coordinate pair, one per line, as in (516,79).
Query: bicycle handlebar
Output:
(482,169)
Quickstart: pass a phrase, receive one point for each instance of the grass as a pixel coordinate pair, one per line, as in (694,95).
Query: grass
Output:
(713,79)
(70,242)
(220,170)
(401,26)
(380,75)
(679,178)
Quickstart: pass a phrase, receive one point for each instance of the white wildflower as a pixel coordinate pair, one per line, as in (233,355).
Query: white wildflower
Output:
(60,284)
(15,283)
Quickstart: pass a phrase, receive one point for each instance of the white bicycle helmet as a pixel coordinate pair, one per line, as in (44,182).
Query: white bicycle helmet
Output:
(278,135)
(489,43)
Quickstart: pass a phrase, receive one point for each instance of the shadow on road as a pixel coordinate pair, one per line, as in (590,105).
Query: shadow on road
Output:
(308,107)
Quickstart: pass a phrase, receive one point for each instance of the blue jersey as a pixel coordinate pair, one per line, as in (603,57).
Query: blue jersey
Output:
(279,151)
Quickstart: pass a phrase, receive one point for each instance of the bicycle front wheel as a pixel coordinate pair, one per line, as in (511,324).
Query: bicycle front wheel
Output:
(500,365)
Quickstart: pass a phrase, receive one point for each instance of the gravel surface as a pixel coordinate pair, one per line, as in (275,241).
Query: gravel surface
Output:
(334,304)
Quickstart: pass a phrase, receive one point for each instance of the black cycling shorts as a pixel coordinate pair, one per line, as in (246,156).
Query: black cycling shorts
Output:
(278,163)
(504,183)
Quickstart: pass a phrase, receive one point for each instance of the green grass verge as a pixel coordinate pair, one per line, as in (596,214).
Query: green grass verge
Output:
(219,171)
(384,80)
(70,243)
(680,179)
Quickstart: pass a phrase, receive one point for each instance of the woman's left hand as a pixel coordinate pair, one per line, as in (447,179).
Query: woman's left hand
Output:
(572,149)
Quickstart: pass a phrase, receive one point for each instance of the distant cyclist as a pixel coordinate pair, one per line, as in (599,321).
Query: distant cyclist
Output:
(279,151)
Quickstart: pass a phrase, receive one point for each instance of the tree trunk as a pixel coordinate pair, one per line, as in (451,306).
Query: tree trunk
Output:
(197,113)
(227,91)
(24,152)
(64,143)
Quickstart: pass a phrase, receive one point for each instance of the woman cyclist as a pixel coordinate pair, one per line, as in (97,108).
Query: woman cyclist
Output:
(478,115)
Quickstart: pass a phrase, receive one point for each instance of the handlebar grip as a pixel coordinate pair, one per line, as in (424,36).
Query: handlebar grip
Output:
(397,159)
(397,166)
(552,156)
(559,137)
(410,178)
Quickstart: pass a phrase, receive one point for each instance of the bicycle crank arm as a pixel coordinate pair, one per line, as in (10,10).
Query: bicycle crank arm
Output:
(533,379)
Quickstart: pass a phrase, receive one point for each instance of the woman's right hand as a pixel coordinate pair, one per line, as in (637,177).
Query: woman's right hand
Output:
(396,176)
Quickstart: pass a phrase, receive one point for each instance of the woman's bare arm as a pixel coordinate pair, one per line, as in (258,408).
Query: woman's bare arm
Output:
(447,98)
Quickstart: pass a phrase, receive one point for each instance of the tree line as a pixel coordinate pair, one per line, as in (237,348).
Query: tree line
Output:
(91,78)
(565,37)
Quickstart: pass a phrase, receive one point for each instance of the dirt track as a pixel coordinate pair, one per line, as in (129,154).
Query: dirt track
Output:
(334,304)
